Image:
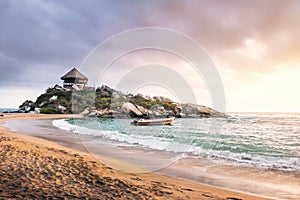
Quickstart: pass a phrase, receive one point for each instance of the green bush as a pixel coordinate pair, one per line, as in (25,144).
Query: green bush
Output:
(141,101)
(49,111)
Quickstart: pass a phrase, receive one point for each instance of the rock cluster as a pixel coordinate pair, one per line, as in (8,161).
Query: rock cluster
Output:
(108,103)
(48,100)
(129,110)
(27,106)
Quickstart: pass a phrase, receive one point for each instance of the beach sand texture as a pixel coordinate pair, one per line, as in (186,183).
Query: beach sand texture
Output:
(33,168)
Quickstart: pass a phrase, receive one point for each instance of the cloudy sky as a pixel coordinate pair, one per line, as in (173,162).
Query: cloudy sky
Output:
(255,45)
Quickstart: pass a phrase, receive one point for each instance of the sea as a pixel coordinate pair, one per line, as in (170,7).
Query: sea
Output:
(263,140)
(8,110)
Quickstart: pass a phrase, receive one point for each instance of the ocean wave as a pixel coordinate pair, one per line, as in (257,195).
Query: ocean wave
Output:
(260,161)
(64,125)
(169,145)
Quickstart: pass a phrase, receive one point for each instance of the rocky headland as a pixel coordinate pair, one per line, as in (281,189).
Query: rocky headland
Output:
(106,102)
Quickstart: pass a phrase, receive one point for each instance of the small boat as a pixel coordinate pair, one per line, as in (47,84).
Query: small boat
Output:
(147,122)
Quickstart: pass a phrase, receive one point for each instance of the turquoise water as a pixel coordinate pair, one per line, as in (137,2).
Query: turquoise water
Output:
(261,140)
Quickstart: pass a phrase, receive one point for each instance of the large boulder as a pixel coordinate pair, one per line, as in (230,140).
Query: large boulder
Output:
(130,109)
(197,111)
(189,110)
(85,112)
(158,111)
(105,91)
(59,88)
(27,106)
(53,98)
(62,109)
(146,112)
(107,113)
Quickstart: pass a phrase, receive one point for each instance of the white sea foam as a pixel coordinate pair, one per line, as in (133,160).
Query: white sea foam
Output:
(243,159)
(64,125)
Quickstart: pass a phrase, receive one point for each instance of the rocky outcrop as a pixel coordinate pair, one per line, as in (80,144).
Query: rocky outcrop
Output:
(198,111)
(59,88)
(158,111)
(54,100)
(106,91)
(131,110)
(108,103)
(107,113)
(27,106)
(146,112)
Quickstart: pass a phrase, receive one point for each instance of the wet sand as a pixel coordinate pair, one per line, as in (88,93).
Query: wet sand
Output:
(33,167)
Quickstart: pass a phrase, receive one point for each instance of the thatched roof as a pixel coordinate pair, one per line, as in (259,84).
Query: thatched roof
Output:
(74,73)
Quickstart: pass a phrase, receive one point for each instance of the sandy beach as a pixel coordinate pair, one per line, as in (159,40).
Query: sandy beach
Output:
(150,100)
(32,167)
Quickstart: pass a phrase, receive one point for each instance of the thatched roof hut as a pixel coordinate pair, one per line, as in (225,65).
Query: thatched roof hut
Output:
(74,79)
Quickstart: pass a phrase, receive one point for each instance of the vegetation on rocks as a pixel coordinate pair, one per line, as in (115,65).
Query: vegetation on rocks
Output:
(107,102)
(48,111)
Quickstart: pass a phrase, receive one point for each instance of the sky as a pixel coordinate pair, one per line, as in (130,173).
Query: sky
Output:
(255,45)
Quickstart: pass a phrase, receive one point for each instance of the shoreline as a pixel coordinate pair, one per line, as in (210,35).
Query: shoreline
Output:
(219,192)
